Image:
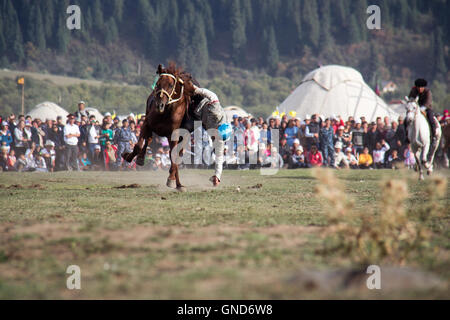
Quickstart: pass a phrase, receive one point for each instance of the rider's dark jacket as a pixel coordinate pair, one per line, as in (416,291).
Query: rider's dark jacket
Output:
(425,98)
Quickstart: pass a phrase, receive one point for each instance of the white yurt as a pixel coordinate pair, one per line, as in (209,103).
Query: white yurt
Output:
(336,91)
(234,110)
(96,113)
(47,110)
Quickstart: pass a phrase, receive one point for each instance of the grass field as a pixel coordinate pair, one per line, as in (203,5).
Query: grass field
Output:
(148,242)
(56,79)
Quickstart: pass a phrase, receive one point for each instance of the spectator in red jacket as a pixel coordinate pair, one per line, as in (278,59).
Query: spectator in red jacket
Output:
(314,157)
(110,156)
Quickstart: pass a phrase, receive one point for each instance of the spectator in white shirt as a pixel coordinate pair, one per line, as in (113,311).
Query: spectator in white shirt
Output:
(379,153)
(340,160)
(71,135)
(20,140)
(93,134)
(351,159)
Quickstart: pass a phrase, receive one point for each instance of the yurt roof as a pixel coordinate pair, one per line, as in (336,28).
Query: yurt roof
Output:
(47,110)
(96,113)
(235,110)
(336,90)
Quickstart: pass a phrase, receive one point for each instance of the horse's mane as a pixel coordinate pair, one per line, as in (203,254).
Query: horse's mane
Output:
(188,80)
(184,75)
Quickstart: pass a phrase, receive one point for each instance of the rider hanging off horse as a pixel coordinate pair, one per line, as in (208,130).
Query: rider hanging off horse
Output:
(175,102)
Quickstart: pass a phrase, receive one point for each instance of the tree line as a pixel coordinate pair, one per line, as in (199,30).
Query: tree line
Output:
(251,34)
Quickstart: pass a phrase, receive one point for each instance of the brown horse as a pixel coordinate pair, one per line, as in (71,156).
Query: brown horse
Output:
(166,108)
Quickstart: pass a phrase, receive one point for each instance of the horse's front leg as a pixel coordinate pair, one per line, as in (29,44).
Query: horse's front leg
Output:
(417,156)
(174,178)
(140,161)
(129,156)
(139,148)
(171,180)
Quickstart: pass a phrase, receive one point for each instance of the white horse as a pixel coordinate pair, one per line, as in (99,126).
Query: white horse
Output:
(419,137)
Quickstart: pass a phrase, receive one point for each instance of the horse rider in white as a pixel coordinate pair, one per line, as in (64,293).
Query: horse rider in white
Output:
(213,117)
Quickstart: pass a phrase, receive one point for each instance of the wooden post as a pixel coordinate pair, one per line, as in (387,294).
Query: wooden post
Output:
(23,98)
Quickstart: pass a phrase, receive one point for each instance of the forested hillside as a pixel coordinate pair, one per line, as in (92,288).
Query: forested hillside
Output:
(223,41)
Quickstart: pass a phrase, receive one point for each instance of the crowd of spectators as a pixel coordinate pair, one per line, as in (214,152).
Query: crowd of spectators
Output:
(82,142)
(78,143)
(332,142)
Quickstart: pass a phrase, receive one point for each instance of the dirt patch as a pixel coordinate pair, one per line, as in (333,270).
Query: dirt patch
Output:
(16,186)
(256,186)
(37,186)
(130,186)
(394,279)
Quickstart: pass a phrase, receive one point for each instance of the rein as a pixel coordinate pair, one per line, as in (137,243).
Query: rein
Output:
(161,92)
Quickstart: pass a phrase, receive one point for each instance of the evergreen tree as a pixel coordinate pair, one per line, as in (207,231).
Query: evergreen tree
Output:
(111,31)
(62,34)
(12,32)
(238,36)
(440,68)
(359,8)
(247,13)
(200,57)
(48,9)
(2,39)
(311,23)
(354,35)
(400,10)
(40,30)
(340,13)
(374,63)
(149,29)
(30,29)
(386,13)
(118,10)
(97,15)
(326,40)
(183,49)
(271,54)
(87,22)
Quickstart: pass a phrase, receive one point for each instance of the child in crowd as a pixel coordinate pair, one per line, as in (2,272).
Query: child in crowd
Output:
(379,153)
(314,157)
(410,160)
(365,159)
(298,159)
(85,163)
(41,166)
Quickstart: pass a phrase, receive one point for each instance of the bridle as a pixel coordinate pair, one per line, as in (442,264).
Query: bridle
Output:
(162,92)
(415,111)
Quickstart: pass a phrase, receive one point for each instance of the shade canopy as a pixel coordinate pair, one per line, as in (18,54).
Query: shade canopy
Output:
(96,113)
(47,110)
(234,110)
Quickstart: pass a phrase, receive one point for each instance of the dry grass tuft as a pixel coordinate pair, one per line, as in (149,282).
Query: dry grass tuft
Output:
(390,233)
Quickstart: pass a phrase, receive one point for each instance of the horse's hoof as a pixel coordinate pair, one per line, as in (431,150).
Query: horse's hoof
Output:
(181,189)
(429,172)
(171,183)
(421,177)
(140,161)
(125,156)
